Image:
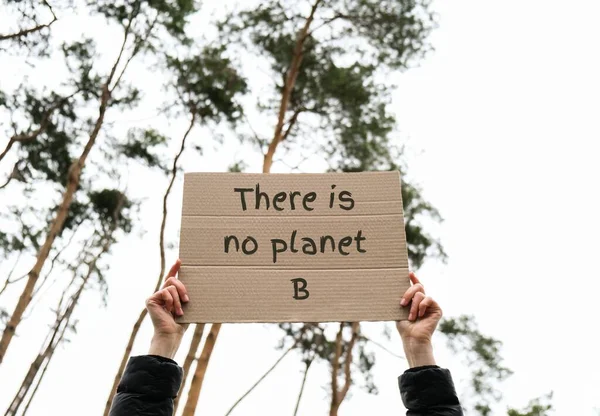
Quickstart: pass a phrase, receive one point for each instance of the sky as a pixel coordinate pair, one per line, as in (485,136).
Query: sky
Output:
(502,132)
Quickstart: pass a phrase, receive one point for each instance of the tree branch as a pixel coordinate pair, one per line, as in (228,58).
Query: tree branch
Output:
(106,90)
(135,51)
(382,347)
(291,123)
(26,32)
(8,281)
(32,135)
(308,363)
(260,380)
(165,200)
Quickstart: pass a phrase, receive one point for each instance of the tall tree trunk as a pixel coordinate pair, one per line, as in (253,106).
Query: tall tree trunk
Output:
(278,135)
(126,354)
(144,312)
(57,224)
(338,396)
(308,363)
(38,383)
(189,359)
(288,87)
(196,386)
(57,333)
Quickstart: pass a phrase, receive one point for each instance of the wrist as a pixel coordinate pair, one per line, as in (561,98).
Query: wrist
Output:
(165,345)
(418,353)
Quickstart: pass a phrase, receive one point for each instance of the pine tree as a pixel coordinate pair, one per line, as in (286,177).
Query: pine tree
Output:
(109,209)
(140,22)
(326,63)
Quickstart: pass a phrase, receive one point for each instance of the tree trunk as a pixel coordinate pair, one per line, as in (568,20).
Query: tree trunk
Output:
(288,87)
(337,397)
(189,359)
(196,386)
(302,387)
(144,312)
(38,383)
(57,224)
(57,333)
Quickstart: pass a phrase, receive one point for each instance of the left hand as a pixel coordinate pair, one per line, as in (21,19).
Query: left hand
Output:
(163,306)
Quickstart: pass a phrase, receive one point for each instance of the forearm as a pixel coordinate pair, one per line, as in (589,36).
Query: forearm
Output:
(165,346)
(418,353)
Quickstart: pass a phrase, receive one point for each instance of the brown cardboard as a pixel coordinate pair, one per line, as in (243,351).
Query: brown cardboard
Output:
(362,279)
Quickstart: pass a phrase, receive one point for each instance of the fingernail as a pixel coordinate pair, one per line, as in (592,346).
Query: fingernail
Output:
(179,311)
(410,316)
(186,298)
(403,302)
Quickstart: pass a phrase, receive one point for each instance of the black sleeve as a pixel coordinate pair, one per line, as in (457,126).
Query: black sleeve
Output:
(429,391)
(148,387)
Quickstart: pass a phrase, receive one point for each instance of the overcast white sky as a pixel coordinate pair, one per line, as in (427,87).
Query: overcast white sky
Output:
(502,126)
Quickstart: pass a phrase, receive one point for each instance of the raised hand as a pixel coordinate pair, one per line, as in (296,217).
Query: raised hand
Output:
(163,306)
(417,331)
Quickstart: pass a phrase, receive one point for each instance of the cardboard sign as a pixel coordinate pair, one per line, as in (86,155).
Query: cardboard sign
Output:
(293,247)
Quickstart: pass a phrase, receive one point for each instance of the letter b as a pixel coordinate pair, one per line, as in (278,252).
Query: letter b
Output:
(300,292)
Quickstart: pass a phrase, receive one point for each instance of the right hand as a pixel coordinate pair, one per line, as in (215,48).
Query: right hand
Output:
(424,314)
(417,331)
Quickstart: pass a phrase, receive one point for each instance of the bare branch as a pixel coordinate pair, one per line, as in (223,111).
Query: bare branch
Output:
(291,123)
(165,200)
(259,141)
(308,364)
(260,379)
(106,88)
(136,49)
(382,347)
(8,281)
(328,22)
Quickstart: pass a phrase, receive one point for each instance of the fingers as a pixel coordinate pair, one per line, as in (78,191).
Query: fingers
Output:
(167,299)
(172,281)
(425,303)
(411,291)
(413,278)
(174,269)
(414,307)
(176,300)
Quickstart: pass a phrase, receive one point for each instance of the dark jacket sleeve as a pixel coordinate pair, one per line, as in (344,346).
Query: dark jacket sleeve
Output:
(148,387)
(429,391)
